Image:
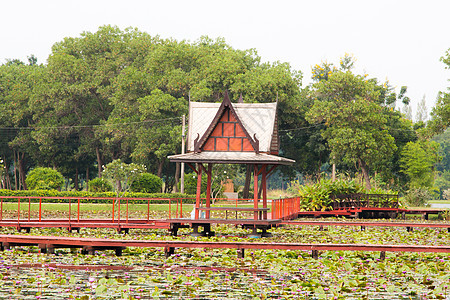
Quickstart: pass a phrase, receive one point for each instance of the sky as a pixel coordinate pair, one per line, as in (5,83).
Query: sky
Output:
(396,40)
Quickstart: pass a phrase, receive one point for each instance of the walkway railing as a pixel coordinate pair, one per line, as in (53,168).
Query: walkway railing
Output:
(20,208)
(285,209)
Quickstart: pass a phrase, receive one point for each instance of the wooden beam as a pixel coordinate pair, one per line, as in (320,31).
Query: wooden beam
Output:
(208,189)
(255,191)
(199,191)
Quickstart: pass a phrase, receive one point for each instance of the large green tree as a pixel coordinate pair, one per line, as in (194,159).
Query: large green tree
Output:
(440,114)
(417,162)
(354,110)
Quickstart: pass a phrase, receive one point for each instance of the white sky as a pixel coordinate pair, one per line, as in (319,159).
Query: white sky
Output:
(397,40)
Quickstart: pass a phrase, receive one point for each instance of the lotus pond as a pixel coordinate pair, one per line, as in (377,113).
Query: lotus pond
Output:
(145,273)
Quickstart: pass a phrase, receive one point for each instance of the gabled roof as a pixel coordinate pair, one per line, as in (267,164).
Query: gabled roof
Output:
(257,119)
(226,107)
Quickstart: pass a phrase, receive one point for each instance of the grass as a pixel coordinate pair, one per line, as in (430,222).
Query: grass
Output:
(439,201)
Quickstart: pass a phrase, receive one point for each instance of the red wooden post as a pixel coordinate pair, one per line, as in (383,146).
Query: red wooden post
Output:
(40,208)
(78,213)
(208,189)
(199,190)
(127,210)
(113,204)
(170,209)
(70,207)
(29,209)
(264,190)
(1,209)
(255,191)
(118,211)
(181,207)
(148,210)
(18,209)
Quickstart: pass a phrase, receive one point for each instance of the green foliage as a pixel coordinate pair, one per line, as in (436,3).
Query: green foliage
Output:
(190,185)
(440,114)
(100,185)
(122,174)
(44,179)
(318,196)
(417,162)
(351,107)
(417,197)
(442,183)
(147,183)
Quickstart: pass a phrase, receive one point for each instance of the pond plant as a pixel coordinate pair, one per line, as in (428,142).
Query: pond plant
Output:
(145,273)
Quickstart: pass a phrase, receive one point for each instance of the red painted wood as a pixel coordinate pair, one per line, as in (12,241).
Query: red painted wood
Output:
(199,190)
(255,190)
(98,242)
(208,189)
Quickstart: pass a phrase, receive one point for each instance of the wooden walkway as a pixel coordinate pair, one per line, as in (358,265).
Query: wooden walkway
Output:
(409,225)
(48,244)
(174,224)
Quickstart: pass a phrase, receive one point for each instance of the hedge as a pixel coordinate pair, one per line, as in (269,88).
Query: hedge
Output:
(61,196)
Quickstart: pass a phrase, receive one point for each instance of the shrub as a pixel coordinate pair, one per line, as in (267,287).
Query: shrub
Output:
(44,179)
(417,197)
(100,185)
(318,196)
(147,183)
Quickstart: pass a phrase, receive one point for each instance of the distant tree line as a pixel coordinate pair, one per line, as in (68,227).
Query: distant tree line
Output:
(120,94)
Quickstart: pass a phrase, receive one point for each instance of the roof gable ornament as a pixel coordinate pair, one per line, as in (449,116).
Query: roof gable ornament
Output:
(226,106)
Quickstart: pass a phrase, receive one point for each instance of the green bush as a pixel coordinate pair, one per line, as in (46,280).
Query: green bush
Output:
(318,196)
(100,185)
(147,183)
(417,197)
(44,179)
(190,185)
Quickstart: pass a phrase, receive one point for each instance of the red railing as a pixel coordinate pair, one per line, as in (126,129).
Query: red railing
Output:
(117,215)
(285,209)
(119,212)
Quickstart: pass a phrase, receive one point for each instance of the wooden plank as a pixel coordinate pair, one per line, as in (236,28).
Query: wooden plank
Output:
(113,244)
(231,208)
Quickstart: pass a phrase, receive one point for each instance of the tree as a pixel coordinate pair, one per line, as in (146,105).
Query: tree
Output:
(122,174)
(417,162)
(421,113)
(440,114)
(351,108)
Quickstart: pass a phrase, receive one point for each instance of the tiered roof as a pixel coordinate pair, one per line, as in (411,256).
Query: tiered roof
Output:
(232,133)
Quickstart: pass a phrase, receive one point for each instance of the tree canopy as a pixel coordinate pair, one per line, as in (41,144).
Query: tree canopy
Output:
(119,95)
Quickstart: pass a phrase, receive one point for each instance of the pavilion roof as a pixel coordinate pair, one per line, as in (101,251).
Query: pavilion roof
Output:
(257,118)
(231,158)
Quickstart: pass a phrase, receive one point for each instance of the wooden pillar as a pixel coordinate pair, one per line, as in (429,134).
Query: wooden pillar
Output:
(208,189)
(199,190)
(255,191)
(264,190)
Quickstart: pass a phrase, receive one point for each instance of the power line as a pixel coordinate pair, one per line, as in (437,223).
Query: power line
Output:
(301,128)
(90,126)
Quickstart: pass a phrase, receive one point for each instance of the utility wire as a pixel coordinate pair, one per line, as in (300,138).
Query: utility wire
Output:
(89,126)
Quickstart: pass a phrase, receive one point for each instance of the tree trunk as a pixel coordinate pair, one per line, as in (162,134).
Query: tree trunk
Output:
(177,176)
(365,171)
(99,162)
(160,167)
(15,172)
(87,178)
(76,179)
(248,177)
(21,170)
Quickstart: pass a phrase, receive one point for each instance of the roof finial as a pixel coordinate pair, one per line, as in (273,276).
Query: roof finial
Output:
(241,100)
